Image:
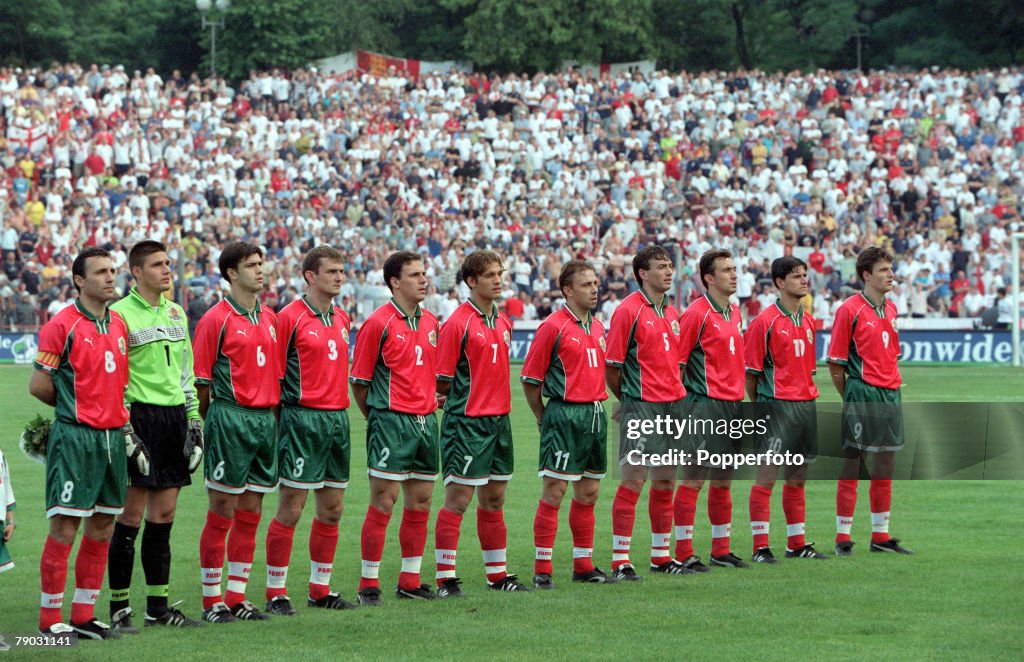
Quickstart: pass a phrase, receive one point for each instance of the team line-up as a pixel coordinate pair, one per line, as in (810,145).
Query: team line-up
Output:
(261,400)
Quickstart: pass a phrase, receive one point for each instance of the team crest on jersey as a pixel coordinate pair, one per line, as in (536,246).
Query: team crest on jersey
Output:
(675,327)
(174,314)
(432,338)
(273,334)
(894,325)
(600,341)
(121,345)
(508,338)
(810,336)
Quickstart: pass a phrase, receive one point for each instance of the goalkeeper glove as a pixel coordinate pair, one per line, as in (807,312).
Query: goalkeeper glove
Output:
(135,449)
(194,444)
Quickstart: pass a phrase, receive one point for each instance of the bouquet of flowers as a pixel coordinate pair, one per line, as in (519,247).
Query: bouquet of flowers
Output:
(34,437)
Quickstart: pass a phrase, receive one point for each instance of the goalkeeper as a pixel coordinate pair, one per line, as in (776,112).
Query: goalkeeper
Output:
(161,397)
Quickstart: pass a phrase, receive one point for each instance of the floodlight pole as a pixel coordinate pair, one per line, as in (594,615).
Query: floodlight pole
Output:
(1015,288)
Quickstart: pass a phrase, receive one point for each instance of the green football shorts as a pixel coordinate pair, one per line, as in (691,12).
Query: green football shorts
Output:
(86,471)
(241,449)
(476,449)
(313,448)
(872,417)
(401,446)
(573,440)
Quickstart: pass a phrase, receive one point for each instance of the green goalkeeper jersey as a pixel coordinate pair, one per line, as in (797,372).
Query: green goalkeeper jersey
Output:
(159,354)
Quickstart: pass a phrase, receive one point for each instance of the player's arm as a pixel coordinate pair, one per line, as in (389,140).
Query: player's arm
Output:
(620,332)
(450,343)
(535,368)
(755,348)
(689,332)
(839,348)
(838,374)
(188,379)
(359,394)
(40,386)
(534,400)
(369,345)
(51,346)
(204,352)
(613,376)
(751,386)
(203,399)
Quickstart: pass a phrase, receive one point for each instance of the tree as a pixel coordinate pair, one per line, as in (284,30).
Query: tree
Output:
(542,34)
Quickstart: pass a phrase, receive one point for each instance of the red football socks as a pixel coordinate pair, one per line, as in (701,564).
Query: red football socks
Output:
(53,571)
(375,527)
(846,503)
(793,504)
(881,501)
(720,514)
(760,514)
(446,543)
(241,551)
(90,565)
(412,537)
(323,542)
(279,554)
(685,508)
(211,556)
(659,508)
(490,528)
(581,523)
(623,515)
(545,529)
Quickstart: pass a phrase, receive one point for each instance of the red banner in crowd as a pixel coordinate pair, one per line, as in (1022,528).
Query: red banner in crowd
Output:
(380,65)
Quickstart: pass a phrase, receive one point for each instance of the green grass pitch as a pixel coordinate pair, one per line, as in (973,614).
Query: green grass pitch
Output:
(959,597)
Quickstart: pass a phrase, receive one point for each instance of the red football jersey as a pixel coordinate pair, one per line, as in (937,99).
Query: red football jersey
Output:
(314,355)
(779,348)
(643,340)
(865,340)
(567,357)
(87,358)
(711,346)
(396,356)
(473,355)
(235,353)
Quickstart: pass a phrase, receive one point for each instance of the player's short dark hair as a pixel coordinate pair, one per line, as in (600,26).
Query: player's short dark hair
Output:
(869,257)
(140,251)
(318,256)
(569,271)
(78,266)
(647,255)
(476,264)
(783,266)
(707,262)
(233,255)
(393,265)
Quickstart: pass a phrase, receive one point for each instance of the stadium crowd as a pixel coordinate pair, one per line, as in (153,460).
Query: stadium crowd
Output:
(542,169)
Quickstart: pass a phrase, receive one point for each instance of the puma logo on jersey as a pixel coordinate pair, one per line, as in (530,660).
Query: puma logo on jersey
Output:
(241,332)
(784,332)
(870,323)
(313,332)
(575,340)
(400,337)
(89,340)
(650,322)
(481,335)
(716,325)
